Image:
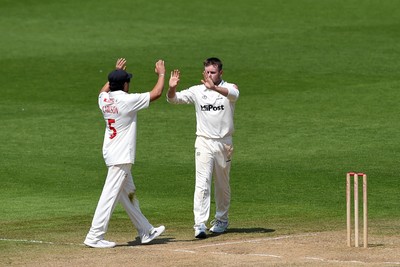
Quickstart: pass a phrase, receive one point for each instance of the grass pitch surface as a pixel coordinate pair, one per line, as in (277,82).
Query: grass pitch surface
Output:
(319,86)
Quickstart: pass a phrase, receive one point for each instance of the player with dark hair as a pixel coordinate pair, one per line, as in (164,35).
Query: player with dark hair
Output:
(119,110)
(214,102)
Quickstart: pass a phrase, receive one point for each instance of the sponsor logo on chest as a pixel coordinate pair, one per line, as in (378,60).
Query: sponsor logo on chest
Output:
(211,107)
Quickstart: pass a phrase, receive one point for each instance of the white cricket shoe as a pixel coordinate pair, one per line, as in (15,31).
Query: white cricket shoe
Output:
(200,231)
(218,226)
(99,243)
(155,232)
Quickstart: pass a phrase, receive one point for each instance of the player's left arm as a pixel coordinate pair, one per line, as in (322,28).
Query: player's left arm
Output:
(231,93)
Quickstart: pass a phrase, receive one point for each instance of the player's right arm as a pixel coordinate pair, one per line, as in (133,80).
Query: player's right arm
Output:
(106,88)
(186,96)
(173,83)
(119,65)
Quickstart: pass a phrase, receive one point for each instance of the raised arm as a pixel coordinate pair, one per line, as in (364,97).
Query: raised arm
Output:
(156,92)
(173,83)
(106,88)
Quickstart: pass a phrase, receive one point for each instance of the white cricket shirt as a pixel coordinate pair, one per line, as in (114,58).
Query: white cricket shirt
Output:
(120,114)
(214,112)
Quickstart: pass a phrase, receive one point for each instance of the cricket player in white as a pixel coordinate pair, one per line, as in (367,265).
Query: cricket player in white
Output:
(120,109)
(214,102)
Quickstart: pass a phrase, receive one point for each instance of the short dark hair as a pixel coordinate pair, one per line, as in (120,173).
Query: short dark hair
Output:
(213,61)
(116,86)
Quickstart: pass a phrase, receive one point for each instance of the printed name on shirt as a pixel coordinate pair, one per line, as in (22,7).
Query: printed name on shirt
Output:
(110,109)
(211,107)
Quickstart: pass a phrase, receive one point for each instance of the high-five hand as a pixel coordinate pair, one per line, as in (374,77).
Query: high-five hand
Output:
(160,68)
(174,79)
(121,64)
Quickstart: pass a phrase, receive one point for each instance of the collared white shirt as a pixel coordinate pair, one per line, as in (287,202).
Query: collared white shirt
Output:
(214,112)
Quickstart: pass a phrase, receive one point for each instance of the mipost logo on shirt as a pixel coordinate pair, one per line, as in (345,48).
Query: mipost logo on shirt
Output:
(211,107)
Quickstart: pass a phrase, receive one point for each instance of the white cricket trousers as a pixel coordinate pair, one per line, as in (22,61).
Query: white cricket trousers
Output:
(212,156)
(118,186)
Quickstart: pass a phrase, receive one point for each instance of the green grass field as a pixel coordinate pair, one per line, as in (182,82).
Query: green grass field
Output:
(319,83)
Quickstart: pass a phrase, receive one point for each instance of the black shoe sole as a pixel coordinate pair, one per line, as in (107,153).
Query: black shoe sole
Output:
(201,235)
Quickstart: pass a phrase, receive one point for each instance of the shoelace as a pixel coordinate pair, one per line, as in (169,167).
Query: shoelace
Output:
(216,222)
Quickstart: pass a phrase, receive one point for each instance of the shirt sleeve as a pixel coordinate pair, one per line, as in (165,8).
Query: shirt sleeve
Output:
(183,97)
(233,93)
(136,102)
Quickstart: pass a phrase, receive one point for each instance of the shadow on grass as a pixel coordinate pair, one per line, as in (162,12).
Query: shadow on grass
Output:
(243,231)
(250,230)
(156,241)
(166,240)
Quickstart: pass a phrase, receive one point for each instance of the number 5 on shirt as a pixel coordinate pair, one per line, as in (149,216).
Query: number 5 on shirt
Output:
(114,131)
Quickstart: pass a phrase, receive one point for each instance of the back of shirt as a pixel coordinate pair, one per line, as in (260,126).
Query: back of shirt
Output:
(120,114)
